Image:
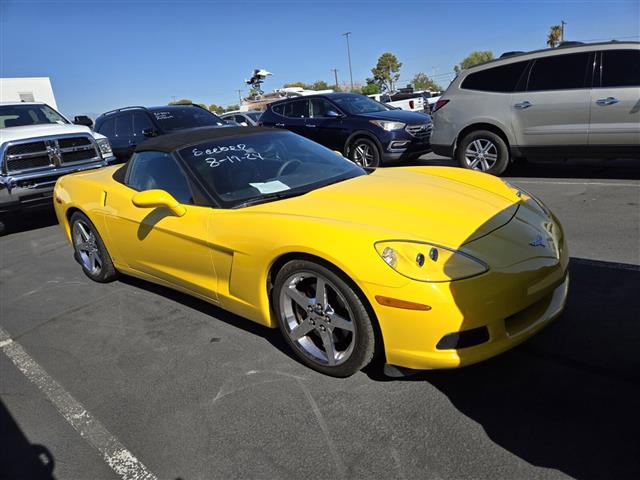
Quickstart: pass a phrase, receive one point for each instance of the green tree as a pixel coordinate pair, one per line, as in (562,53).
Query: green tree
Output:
(474,58)
(230,108)
(182,101)
(386,72)
(555,35)
(370,88)
(422,82)
(319,85)
(295,84)
(216,108)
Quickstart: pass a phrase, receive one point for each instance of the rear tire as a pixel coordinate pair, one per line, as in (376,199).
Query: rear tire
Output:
(483,151)
(330,332)
(90,251)
(365,153)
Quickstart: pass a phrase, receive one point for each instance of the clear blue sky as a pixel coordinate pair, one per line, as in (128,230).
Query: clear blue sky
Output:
(106,54)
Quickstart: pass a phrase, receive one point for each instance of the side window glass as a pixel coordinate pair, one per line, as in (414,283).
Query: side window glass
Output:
(279,109)
(497,79)
(621,68)
(297,109)
(140,122)
(124,125)
(158,170)
(385,99)
(559,72)
(107,128)
(320,107)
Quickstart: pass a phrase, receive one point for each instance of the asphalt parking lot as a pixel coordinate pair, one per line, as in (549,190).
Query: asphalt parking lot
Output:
(93,375)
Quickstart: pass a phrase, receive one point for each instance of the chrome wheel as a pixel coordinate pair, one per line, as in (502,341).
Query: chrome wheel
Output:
(363,155)
(84,241)
(317,318)
(481,154)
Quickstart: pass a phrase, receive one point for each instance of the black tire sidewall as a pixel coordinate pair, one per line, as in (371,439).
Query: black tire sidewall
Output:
(377,160)
(108,272)
(364,334)
(503,151)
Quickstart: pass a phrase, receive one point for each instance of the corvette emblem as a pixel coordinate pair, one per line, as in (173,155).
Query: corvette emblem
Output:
(537,242)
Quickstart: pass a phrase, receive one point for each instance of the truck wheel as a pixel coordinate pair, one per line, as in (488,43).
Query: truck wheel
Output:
(90,251)
(365,153)
(483,151)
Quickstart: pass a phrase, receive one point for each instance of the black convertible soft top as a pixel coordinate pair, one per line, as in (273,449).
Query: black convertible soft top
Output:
(174,141)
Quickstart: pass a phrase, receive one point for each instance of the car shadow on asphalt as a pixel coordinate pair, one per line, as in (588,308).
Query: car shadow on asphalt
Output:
(601,169)
(30,220)
(19,458)
(568,398)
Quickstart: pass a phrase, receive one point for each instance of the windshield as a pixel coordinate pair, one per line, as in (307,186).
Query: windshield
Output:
(265,166)
(178,118)
(29,114)
(355,104)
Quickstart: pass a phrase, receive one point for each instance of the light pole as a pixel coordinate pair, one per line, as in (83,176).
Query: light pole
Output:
(239,96)
(335,73)
(346,35)
(562,24)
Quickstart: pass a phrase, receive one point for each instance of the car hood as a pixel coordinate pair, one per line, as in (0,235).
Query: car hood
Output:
(43,130)
(397,116)
(443,205)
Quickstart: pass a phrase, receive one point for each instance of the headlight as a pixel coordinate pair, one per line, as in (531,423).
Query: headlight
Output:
(105,147)
(428,262)
(388,126)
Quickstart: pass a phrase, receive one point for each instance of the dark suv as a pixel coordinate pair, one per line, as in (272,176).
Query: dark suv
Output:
(366,131)
(127,127)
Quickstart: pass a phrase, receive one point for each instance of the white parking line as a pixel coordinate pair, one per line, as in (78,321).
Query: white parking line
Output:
(121,460)
(603,184)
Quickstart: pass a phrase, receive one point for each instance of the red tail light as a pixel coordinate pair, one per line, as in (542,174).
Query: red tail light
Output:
(439,104)
(411,104)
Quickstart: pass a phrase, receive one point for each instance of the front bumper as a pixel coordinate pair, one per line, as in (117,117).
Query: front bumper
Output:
(415,149)
(35,189)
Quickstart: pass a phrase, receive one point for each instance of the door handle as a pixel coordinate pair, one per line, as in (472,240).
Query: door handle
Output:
(279,124)
(310,125)
(523,105)
(607,101)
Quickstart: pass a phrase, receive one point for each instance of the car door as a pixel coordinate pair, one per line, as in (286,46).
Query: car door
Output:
(554,108)
(123,145)
(296,112)
(154,241)
(141,123)
(327,130)
(615,100)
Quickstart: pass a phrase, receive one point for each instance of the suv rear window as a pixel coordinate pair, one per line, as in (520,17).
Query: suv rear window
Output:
(497,79)
(621,68)
(559,72)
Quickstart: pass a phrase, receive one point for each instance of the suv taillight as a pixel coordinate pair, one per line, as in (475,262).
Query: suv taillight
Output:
(439,104)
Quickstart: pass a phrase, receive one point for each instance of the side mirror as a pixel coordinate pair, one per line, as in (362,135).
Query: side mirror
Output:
(83,120)
(149,132)
(158,198)
(332,114)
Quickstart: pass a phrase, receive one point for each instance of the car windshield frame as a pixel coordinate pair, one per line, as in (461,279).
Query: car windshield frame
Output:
(190,164)
(43,116)
(343,101)
(164,117)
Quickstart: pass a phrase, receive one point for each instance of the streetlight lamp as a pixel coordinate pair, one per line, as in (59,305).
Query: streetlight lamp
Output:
(346,35)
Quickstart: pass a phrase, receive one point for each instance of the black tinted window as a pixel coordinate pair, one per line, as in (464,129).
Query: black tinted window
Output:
(621,68)
(107,127)
(157,170)
(560,72)
(141,122)
(497,79)
(279,109)
(320,107)
(124,125)
(297,109)
(178,118)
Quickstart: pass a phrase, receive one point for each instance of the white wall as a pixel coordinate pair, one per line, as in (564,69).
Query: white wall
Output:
(16,89)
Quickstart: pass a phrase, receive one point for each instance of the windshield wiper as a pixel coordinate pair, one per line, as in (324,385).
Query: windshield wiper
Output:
(269,198)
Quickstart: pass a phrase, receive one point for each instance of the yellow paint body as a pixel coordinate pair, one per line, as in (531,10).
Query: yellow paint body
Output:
(226,256)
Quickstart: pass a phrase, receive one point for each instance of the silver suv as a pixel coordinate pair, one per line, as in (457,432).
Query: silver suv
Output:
(574,100)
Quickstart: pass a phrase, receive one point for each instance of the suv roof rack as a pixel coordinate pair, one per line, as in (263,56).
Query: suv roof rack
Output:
(123,109)
(509,54)
(571,43)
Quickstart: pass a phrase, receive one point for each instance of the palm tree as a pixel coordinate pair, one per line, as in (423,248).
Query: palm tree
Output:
(555,34)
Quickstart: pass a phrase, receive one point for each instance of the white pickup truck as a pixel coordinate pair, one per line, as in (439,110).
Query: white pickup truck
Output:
(38,145)
(415,101)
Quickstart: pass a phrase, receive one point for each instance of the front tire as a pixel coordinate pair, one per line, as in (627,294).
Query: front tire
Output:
(322,319)
(483,151)
(90,251)
(365,153)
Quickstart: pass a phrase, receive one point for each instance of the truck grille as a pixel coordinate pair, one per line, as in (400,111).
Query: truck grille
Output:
(49,154)
(419,131)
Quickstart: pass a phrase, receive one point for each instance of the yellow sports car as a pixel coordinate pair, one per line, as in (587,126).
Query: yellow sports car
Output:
(429,267)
